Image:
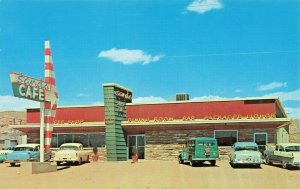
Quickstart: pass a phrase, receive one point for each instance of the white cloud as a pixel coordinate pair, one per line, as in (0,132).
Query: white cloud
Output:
(293,112)
(17,104)
(272,85)
(202,6)
(148,99)
(126,56)
(82,95)
(210,97)
(285,96)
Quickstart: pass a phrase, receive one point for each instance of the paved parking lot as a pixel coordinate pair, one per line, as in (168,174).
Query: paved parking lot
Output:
(152,175)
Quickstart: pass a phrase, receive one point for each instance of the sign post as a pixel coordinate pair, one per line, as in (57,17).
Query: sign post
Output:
(42,148)
(42,91)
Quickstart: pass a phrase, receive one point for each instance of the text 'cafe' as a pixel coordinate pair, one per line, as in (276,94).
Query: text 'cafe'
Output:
(159,130)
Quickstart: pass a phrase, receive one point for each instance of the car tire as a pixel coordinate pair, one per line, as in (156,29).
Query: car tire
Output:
(88,159)
(213,163)
(258,166)
(58,163)
(233,165)
(79,162)
(267,161)
(180,161)
(192,163)
(284,164)
(12,164)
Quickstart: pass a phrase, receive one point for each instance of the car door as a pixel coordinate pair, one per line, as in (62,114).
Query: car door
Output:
(278,153)
(231,154)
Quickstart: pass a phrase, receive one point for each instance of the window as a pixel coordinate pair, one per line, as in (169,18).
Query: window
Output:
(226,138)
(280,148)
(292,149)
(88,140)
(261,139)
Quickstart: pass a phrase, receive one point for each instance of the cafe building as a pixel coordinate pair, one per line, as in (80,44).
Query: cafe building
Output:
(159,130)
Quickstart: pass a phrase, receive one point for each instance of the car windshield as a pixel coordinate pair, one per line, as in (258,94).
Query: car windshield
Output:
(23,149)
(292,149)
(240,148)
(68,148)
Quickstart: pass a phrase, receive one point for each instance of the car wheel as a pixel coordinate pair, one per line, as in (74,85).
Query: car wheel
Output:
(180,161)
(12,164)
(258,166)
(88,159)
(284,164)
(80,161)
(192,163)
(213,162)
(267,160)
(58,163)
(233,165)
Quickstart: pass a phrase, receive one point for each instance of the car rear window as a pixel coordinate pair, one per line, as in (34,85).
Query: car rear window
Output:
(206,143)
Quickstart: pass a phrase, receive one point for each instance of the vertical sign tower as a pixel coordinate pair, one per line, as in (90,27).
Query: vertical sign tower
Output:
(115,99)
(50,105)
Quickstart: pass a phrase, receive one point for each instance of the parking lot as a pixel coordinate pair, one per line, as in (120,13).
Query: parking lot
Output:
(152,175)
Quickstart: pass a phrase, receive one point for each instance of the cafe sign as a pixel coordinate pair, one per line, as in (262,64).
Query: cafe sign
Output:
(27,87)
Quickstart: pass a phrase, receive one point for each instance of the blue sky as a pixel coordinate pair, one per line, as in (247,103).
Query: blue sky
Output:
(210,49)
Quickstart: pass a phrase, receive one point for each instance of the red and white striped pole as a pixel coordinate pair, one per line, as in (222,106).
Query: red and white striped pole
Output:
(51,97)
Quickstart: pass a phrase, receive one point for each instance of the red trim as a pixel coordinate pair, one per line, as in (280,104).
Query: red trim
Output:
(50,80)
(49,66)
(47,148)
(48,106)
(47,51)
(48,134)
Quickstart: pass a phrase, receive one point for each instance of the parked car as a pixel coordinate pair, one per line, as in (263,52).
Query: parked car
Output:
(4,152)
(26,152)
(287,154)
(71,152)
(199,150)
(245,153)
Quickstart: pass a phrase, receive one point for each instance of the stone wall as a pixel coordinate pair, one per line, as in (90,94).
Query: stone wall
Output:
(162,151)
(166,144)
(294,131)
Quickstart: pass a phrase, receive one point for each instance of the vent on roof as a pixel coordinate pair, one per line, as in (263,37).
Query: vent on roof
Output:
(183,96)
(264,101)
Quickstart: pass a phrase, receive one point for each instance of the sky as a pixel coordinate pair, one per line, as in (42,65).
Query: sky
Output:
(210,49)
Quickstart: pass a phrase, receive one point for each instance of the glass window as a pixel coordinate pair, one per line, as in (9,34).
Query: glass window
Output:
(82,139)
(54,141)
(141,140)
(97,140)
(226,138)
(281,148)
(88,140)
(292,149)
(261,139)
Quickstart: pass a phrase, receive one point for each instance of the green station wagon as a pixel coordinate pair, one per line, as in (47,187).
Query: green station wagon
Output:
(199,150)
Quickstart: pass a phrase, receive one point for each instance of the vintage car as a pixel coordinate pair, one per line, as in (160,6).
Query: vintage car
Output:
(71,152)
(26,152)
(4,152)
(287,154)
(245,153)
(199,150)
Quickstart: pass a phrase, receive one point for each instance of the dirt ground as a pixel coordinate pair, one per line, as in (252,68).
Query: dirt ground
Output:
(152,175)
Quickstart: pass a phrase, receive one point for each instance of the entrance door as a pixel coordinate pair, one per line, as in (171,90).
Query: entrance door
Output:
(137,142)
(261,140)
